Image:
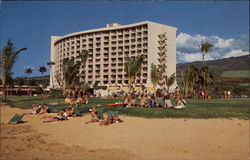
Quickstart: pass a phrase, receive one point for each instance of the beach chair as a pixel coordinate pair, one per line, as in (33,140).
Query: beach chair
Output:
(17,118)
(52,108)
(110,113)
(100,114)
(76,113)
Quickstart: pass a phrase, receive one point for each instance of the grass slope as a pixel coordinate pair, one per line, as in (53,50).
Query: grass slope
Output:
(221,65)
(216,108)
(236,74)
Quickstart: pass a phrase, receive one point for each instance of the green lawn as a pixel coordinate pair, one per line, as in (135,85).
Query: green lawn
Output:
(245,84)
(215,108)
(236,74)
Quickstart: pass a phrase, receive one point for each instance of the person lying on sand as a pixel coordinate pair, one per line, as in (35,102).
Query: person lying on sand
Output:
(36,108)
(69,112)
(94,116)
(62,115)
(113,119)
(45,109)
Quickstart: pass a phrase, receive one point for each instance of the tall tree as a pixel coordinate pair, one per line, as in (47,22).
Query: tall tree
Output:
(133,68)
(155,75)
(205,48)
(50,64)
(70,73)
(205,77)
(42,69)
(169,80)
(28,71)
(8,59)
(84,57)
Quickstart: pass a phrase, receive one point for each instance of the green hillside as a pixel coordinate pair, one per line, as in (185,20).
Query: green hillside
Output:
(234,66)
(236,74)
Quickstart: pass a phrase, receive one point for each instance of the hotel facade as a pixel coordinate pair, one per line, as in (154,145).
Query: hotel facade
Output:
(108,48)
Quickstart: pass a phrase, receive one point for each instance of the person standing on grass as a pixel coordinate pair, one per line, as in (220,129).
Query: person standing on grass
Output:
(225,94)
(228,94)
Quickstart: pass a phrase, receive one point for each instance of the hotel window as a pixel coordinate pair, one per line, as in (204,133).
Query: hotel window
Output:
(98,39)
(138,28)
(90,39)
(98,49)
(139,34)
(105,65)
(120,36)
(106,38)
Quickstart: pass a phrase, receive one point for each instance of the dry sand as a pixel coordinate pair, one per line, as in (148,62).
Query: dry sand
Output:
(135,138)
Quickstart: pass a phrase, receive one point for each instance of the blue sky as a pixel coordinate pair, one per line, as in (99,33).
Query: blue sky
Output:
(30,24)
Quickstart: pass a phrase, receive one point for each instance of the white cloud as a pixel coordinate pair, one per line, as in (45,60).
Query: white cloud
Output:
(188,47)
(222,43)
(235,53)
(190,57)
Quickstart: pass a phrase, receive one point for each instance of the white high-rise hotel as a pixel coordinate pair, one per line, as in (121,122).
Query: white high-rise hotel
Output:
(108,47)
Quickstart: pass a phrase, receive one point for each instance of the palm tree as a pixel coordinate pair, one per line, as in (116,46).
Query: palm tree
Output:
(84,57)
(194,79)
(28,71)
(8,59)
(50,64)
(155,75)
(70,73)
(169,80)
(206,77)
(42,69)
(133,68)
(205,48)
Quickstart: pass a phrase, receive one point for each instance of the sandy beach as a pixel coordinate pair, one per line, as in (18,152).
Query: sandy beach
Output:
(134,138)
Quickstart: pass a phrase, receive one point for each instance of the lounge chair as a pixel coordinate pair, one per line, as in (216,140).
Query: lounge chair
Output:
(17,118)
(52,108)
(110,113)
(100,114)
(76,113)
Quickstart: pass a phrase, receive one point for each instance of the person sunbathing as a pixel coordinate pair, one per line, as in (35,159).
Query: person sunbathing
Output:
(67,100)
(59,117)
(168,103)
(45,109)
(94,116)
(69,112)
(132,102)
(126,101)
(85,99)
(181,104)
(142,102)
(110,120)
(36,108)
